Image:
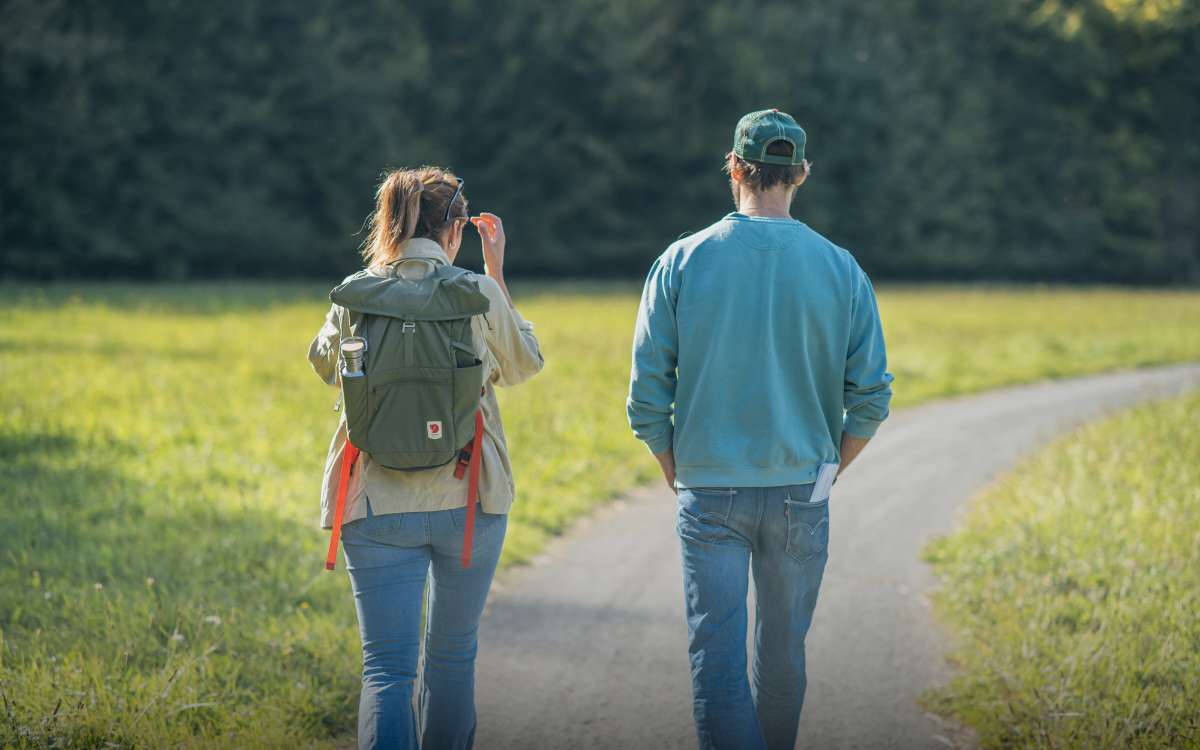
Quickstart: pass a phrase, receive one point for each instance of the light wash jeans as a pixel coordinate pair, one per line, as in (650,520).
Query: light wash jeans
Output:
(784,537)
(388,558)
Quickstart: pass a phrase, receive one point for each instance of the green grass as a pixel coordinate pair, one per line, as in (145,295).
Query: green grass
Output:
(955,341)
(1075,589)
(160,454)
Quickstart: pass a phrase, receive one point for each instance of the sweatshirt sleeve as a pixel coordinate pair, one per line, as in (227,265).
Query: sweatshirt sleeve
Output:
(655,355)
(868,384)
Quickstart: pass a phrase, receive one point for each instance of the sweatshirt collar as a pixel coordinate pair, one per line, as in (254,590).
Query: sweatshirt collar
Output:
(739,216)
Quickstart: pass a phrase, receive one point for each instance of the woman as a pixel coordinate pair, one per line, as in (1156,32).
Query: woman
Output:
(403,527)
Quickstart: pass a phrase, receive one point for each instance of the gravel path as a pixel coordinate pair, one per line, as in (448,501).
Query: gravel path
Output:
(587,647)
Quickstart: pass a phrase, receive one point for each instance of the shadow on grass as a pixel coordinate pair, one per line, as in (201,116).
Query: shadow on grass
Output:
(52,348)
(98,568)
(39,444)
(254,296)
(189,298)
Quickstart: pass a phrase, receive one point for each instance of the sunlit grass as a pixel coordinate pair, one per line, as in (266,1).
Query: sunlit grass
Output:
(1075,588)
(160,455)
(944,342)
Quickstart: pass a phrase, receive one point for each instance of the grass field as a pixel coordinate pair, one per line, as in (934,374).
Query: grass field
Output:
(160,452)
(1075,588)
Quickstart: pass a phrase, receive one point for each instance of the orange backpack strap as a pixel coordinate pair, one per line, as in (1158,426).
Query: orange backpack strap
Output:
(349,456)
(472,490)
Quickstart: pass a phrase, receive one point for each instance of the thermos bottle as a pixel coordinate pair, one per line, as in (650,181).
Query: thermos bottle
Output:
(354,349)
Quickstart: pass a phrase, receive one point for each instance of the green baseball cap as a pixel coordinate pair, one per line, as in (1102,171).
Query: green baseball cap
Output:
(759,130)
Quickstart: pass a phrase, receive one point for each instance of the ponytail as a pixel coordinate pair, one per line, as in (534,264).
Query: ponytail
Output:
(410,203)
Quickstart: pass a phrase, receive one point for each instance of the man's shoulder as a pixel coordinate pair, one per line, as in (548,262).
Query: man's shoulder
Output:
(823,244)
(690,241)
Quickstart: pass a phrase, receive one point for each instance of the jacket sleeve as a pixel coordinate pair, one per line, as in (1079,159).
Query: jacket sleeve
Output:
(652,379)
(323,351)
(868,384)
(509,338)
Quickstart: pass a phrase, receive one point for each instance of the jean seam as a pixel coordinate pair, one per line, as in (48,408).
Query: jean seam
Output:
(762,513)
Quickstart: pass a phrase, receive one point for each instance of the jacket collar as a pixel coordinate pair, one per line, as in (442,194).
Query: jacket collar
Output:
(425,249)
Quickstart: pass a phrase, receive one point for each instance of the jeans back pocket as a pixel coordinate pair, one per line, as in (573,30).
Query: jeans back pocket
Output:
(808,529)
(704,511)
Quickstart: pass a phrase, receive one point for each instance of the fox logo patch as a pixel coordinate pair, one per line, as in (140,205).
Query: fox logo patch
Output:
(433,429)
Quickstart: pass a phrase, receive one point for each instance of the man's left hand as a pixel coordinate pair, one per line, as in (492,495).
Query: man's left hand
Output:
(666,460)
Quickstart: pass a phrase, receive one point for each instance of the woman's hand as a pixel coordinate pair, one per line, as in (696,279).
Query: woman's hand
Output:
(491,232)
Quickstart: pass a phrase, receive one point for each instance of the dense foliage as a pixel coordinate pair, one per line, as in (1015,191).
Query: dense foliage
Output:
(1022,139)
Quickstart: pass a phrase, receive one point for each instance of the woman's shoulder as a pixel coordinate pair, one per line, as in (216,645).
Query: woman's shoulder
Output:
(360,273)
(490,289)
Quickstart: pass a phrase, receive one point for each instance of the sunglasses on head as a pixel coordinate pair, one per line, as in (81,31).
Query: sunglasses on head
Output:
(457,192)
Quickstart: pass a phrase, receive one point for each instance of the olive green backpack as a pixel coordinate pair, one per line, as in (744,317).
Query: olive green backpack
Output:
(415,405)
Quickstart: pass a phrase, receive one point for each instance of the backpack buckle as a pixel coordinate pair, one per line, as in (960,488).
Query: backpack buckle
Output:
(408,328)
(464,461)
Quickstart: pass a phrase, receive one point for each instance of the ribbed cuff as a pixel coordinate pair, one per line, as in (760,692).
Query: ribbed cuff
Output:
(858,427)
(660,443)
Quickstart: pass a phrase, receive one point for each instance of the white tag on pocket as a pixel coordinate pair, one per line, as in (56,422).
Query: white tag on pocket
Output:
(824,484)
(433,429)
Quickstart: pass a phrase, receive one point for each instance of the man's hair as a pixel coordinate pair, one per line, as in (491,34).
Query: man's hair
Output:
(759,176)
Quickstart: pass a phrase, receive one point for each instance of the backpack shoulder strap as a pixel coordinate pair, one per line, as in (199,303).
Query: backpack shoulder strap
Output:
(344,321)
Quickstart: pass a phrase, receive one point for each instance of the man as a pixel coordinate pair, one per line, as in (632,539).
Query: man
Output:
(758,368)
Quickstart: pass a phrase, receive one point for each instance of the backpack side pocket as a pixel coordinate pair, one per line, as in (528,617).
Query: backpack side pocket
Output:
(468,383)
(354,397)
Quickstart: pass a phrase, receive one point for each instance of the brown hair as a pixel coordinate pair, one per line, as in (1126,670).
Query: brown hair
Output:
(759,176)
(410,203)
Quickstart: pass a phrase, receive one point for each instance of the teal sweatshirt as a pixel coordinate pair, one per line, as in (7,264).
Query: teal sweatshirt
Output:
(757,344)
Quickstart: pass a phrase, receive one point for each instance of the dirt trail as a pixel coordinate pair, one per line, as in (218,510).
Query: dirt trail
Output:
(586,648)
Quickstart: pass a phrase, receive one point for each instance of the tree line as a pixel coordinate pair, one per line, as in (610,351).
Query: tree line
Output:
(951,139)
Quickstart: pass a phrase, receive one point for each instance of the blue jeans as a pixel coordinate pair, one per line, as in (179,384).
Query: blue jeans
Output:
(784,537)
(388,558)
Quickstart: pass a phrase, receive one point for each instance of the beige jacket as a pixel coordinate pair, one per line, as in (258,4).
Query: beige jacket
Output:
(510,355)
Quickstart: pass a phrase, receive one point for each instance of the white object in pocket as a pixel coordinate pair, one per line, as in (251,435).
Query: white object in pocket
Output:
(824,484)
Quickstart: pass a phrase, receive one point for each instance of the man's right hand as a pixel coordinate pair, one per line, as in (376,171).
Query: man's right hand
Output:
(666,461)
